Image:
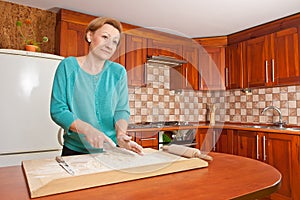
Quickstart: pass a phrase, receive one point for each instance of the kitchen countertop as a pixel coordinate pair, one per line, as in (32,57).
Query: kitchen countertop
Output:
(226,177)
(249,127)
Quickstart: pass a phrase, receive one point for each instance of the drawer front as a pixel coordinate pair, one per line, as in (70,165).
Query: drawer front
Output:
(147,139)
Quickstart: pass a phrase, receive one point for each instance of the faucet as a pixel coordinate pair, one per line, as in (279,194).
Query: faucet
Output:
(280,123)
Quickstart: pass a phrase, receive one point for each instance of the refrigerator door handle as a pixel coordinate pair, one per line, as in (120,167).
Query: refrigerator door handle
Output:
(60,136)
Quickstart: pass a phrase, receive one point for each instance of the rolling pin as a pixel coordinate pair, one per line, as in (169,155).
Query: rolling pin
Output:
(185,151)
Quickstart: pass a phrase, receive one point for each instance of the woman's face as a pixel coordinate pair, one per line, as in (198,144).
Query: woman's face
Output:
(104,41)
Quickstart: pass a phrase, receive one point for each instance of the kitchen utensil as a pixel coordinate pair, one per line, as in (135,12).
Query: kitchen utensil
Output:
(185,151)
(109,148)
(64,165)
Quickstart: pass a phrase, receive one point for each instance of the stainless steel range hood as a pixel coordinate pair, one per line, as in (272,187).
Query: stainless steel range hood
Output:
(166,60)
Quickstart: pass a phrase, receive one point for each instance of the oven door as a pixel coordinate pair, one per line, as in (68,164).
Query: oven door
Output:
(185,137)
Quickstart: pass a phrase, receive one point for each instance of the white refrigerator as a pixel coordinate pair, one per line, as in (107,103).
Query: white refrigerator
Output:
(26,129)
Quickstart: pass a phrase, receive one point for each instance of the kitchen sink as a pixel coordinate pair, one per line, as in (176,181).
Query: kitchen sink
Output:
(272,127)
(259,126)
(292,129)
(160,124)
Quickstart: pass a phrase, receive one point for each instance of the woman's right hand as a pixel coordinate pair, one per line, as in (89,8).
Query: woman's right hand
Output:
(95,137)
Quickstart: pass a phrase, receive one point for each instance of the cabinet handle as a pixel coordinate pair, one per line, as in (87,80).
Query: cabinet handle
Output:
(226,76)
(145,73)
(60,135)
(257,153)
(273,70)
(264,148)
(186,77)
(214,140)
(298,154)
(266,66)
(147,139)
(200,79)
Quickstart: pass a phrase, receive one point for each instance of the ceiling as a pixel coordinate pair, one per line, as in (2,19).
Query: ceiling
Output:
(189,18)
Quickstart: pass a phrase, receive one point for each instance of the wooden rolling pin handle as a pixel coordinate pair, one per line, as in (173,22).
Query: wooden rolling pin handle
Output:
(185,151)
(205,157)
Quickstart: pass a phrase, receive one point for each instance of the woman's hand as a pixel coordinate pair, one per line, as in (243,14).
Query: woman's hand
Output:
(95,137)
(125,141)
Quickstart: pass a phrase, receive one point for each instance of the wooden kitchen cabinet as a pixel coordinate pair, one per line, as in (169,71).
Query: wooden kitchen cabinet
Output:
(255,55)
(119,55)
(136,57)
(131,52)
(191,69)
(212,62)
(245,143)
(223,140)
(214,139)
(278,150)
(204,140)
(206,67)
(187,75)
(212,68)
(164,48)
(70,32)
(285,57)
(70,36)
(147,139)
(283,152)
(234,66)
(272,60)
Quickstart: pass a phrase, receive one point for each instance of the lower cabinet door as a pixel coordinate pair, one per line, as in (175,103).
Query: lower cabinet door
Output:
(246,144)
(214,139)
(282,152)
(222,140)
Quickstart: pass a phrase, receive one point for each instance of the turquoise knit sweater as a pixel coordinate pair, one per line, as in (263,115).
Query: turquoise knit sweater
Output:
(111,101)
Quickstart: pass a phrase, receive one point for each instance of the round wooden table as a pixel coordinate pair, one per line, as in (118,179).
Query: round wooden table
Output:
(226,177)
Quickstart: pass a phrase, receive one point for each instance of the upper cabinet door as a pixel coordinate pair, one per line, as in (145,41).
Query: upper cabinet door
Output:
(187,75)
(136,57)
(212,62)
(191,68)
(70,33)
(119,55)
(234,67)
(164,48)
(272,60)
(285,57)
(212,68)
(256,64)
(71,40)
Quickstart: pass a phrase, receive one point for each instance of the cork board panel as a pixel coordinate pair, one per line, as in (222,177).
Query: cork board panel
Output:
(43,24)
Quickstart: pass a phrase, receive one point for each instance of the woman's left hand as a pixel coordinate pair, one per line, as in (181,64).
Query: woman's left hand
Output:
(125,141)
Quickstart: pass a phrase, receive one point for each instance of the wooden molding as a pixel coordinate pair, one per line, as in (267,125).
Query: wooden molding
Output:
(264,29)
(219,41)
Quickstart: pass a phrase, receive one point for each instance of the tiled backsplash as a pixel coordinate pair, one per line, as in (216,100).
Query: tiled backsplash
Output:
(156,102)
(235,106)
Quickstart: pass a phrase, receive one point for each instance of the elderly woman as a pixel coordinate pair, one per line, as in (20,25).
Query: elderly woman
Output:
(90,95)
